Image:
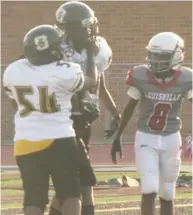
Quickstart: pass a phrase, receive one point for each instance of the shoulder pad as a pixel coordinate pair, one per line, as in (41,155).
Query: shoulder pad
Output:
(186,77)
(135,73)
(68,66)
(10,72)
(186,71)
(104,57)
(15,64)
(63,75)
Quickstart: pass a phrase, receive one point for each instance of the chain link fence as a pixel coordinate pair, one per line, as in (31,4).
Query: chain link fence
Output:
(115,78)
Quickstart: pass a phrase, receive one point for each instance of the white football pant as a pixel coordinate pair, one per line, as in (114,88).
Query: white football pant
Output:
(158,162)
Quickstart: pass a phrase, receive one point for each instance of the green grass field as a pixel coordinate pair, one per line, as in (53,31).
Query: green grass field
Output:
(9,181)
(181,195)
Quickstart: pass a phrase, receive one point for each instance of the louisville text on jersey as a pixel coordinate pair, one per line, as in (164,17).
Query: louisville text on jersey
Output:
(163,96)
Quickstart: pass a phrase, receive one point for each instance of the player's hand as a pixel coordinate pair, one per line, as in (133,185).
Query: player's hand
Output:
(91,111)
(108,133)
(116,147)
(114,125)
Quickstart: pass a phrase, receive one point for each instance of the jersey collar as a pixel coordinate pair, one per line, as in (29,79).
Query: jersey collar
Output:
(163,86)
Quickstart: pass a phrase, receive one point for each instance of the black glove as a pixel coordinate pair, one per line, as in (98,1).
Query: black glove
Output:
(116,147)
(114,125)
(91,112)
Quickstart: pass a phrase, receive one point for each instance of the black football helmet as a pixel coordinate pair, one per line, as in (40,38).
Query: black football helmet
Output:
(42,45)
(78,23)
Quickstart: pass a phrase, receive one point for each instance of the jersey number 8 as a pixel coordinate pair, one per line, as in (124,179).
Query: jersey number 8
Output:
(158,119)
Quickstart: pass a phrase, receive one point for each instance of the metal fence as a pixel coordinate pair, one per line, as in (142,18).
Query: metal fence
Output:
(114,77)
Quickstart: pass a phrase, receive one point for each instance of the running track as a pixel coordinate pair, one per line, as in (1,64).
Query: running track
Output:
(99,155)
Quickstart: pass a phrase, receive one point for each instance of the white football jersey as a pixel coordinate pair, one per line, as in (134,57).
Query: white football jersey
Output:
(103,61)
(43,95)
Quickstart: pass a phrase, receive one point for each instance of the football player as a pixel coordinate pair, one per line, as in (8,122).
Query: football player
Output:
(42,85)
(160,86)
(79,25)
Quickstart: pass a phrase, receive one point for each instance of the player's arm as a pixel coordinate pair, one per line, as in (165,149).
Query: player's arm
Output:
(91,73)
(7,88)
(187,143)
(109,104)
(134,95)
(104,61)
(12,100)
(89,83)
(107,99)
(81,83)
(89,80)
(127,113)
(189,95)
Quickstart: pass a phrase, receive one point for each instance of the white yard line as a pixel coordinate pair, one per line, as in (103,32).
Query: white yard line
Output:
(105,168)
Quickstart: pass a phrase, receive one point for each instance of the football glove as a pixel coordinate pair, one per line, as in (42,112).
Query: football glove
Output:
(116,147)
(91,112)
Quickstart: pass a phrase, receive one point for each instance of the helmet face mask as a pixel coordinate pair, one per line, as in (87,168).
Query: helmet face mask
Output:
(159,62)
(81,35)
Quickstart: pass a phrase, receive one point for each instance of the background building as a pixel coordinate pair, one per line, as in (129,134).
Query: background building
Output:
(127,26)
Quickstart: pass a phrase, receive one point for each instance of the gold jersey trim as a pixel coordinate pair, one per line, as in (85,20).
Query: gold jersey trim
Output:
(24,147)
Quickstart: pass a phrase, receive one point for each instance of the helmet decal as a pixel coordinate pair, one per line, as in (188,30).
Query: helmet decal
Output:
(60,14)
(41,42)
